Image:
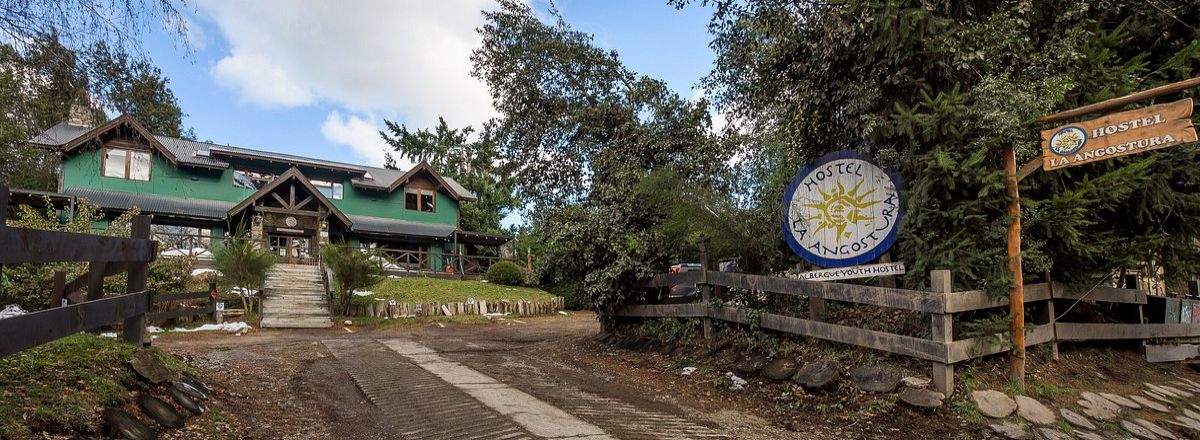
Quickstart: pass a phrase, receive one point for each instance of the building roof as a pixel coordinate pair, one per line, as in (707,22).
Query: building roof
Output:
(153,203)
(291,174)
(204,154)
(379,225)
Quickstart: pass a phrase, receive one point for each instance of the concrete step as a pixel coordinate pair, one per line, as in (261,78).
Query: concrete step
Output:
(296,323)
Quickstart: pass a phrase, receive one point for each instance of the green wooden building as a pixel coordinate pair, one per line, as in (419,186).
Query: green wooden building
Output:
(199,192)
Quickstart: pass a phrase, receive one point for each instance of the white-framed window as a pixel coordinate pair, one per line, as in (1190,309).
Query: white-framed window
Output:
(251,179)
(331,190)
(419,200)
(126,164)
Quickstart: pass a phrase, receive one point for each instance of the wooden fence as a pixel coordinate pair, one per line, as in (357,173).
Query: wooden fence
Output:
(105,256)
(941,304)
(479,307)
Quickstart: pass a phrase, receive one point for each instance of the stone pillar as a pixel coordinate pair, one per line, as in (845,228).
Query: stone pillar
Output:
(256,230)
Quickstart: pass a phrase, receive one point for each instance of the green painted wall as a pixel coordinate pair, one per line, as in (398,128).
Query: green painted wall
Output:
(84,170)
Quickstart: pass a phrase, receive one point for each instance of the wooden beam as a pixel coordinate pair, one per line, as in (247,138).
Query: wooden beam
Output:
(186,296)
(186,311)
(21,332)
(37,246)
(965,349)
(281,201)
(1116,103)
(95,280)
(958,302)
(301,203)
(1075,331)
(693,310)
(892,343)
(878,296)
(1029,168)
(1101,294)
(81,282)
(133,330)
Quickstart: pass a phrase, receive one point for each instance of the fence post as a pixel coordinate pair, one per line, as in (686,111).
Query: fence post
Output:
(1194,288)
(95,280)
(943,332)
(217,316)
(1049,316)
(3,216)
(705,290)
(60,287)
(133,329)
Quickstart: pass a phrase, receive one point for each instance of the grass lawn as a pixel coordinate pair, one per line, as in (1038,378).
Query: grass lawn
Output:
(417,289)
(61,386)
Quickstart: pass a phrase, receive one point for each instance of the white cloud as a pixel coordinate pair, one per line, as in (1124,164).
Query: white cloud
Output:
(402,59)
(719,121)
(362,135)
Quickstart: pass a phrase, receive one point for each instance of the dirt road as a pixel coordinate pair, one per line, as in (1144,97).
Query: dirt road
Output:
(528,379)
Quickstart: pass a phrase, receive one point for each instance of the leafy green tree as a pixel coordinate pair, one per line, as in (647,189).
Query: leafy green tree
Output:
(473,163)
(579,133)
(352,270)
(243,266)
(937,90)
(135,87)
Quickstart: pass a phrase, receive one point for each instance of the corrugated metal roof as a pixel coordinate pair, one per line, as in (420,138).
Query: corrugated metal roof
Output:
(197,153)
(153,203)
(381,225)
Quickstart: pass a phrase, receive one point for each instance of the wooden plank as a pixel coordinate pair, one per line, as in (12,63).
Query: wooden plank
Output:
(1075,331)
(1101,294)
(36,246)
(965,349)
(673,279)
(693,310)
(1116,103)
(133,330)
(165,297)
(958,302)
(186,311)
(25,331)
(95,280)
(892,343)
(878,296)
(80,282)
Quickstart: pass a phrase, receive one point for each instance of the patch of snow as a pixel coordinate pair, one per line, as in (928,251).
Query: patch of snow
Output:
(199,272)
(687,371)
(109,335)
(560,312)
(230,327)
(738,383)
(492,315)
(12,310)
(243,292)
(154,329)
(363,293)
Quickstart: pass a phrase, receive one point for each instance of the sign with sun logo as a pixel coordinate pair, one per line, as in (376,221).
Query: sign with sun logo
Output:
(842,210)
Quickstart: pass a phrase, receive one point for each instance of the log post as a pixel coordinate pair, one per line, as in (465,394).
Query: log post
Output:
(1016,293)
(217,315)
(3,217)
(1049,316)
(705,290)
(943,332)
(133,330)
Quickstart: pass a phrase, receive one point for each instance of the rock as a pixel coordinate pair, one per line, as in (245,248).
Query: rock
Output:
(1168,391)
(1178,392)
(1053,434)
(1076,420)
(1086,435)
(727,357)
(780,369)
(197,384)
(922,398)
(185,401)
(1147,403)
(736,383)
(1011,430)
(751,364)
(1191,414)
(1034,412)
(1163,432)
(347,323)
(1185,422)
(875,379)
(1121,400)
(1195,385)
(123,425)
(817,375)
(1138,431)
(650,345)
(668,348)
(190,390)
(149,366)
(713,349)
(160,411)
(1097,412)
(1099,401)
(915,382)
(1158,396)
(993,403)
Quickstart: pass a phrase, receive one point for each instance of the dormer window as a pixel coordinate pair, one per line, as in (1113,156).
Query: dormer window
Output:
(124,163)
(416,199)
(331,190)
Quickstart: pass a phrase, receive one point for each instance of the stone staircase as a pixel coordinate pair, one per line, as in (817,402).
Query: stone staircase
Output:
(295,298)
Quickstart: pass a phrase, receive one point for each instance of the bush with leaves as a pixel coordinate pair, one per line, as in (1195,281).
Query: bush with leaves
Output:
(506,273)
(243,266)
(353,269)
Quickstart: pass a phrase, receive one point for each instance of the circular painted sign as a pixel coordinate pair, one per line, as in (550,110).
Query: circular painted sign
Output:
(290,221)
(842,210)
(1068,140)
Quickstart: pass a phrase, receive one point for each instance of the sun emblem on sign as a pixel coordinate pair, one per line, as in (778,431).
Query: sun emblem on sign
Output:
(841,208)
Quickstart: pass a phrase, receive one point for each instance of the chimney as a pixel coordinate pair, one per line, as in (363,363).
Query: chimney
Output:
(81,116)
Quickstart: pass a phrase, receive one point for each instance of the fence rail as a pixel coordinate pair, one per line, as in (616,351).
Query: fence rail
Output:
(941,304)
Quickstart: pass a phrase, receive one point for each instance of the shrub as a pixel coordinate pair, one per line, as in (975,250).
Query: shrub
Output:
(352,270)
(242,265)
(506,273)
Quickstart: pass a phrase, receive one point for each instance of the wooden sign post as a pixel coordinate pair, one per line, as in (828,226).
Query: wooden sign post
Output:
(1114,135)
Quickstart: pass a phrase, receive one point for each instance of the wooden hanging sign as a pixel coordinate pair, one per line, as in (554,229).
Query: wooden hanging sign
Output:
(1118,134)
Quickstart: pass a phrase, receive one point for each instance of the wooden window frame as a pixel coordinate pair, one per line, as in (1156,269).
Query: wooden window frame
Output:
(128,162)
(419,192)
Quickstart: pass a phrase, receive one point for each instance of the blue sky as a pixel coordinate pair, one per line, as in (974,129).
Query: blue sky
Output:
(300,81)
(319,80)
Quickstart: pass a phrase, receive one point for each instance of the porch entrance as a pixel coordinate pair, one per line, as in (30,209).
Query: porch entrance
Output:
(293,249)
